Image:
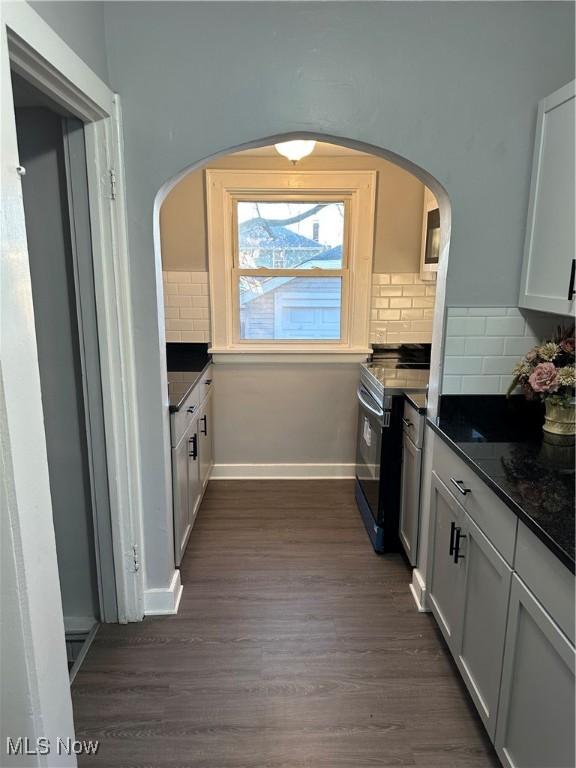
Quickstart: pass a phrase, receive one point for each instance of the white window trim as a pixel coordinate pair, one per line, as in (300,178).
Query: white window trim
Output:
(223,188)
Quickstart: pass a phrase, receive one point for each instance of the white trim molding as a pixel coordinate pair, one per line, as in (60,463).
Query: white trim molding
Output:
(164,602)
(356,188)
(418,589)
(43,58)
(283,472)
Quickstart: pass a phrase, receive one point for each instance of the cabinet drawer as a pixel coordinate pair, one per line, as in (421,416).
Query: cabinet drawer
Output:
(549,579)
(492,516)
(413,424)
(181,420)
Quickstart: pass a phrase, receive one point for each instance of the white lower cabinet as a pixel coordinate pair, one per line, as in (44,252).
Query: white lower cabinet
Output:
(480,637)
(517,662)
(536,715)
(192,460)
(181,476)
(410,495)
(447,577)
(469,591)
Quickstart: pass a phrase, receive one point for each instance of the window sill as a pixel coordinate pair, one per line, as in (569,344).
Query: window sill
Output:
(293,355)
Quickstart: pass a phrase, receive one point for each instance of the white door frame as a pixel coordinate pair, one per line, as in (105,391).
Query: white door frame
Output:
(33,49)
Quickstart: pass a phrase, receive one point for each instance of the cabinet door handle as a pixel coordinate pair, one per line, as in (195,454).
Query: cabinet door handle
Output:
(406,423)
(207,382)
(571,290)
(459,485)
(193,445)
(204,429)
(191,409)
(459,537)
(452,532)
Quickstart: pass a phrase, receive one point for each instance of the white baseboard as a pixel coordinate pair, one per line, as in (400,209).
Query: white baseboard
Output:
(163,602)
(418,589)
(283,472)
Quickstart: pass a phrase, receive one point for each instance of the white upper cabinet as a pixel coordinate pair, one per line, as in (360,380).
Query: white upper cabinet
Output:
(548,273)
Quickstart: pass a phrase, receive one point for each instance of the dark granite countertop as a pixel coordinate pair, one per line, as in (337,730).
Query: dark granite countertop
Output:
(418,400)
(185,363)
(501,440)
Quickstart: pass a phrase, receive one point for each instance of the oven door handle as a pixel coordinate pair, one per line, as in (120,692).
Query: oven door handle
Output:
(376,411)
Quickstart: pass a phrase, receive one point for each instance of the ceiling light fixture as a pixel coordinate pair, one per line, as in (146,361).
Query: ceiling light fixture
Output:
(295,150)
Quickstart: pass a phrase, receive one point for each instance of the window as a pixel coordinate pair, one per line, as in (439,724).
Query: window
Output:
(289,269)
(290,260)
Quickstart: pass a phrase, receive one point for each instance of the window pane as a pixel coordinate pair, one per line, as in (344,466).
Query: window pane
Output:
(290,235)
(290,308)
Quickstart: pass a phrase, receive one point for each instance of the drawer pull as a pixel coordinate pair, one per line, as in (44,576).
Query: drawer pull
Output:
(207,382)
(191,409)
(459,536)
(459,485)
(407,423)
(452,532)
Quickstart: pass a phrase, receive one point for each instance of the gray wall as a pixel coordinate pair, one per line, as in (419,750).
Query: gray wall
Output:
(81,25)
(453,87)
(286,414)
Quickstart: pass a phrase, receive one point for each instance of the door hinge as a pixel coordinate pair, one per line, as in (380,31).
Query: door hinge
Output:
(112,175)
(135,558)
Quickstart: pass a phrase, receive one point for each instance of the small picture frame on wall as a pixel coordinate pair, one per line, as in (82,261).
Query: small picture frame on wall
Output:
(430,249)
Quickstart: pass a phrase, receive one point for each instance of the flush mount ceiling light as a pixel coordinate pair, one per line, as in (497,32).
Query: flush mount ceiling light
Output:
(295,150)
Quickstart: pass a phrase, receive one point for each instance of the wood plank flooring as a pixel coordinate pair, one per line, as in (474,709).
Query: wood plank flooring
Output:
(295,647)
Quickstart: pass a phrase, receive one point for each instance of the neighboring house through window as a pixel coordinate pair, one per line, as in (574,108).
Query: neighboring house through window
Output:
(290,260)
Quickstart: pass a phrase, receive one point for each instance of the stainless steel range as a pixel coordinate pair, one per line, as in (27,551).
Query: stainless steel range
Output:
(392,372)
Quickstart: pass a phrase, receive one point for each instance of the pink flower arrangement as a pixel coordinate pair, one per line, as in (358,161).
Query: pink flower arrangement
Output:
(548,371)
(544,378)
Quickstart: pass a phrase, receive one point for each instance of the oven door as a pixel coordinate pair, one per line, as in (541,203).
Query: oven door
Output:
(369,447)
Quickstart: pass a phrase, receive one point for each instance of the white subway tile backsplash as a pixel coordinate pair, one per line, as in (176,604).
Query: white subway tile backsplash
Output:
(403,278)
(486,312)
(483,346)
(405,308)
(454,346)
(497,337)
(465,326)
(388,314)
(519,345)
(504,364)
(505,326)
(177,277)
(400,303)
(480,385)
(463,365)
(186,311)
(451,385)
(190,289)
(414,290)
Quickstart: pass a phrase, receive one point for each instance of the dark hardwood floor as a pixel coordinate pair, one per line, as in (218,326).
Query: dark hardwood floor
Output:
(295,646)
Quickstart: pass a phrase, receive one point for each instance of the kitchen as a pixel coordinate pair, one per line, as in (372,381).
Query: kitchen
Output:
(498,565)
(259,644)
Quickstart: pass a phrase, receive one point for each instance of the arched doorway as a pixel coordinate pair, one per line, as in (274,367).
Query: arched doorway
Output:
(382,155)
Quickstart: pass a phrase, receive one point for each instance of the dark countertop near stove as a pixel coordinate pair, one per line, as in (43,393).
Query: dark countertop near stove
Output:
(185,364)
(418,400)
(501,439)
